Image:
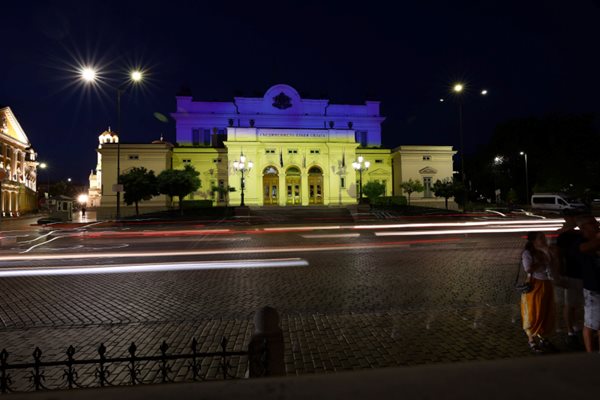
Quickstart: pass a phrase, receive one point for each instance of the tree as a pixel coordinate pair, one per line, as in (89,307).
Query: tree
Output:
(180,183)
(223,191)
(444,188)
(138,184)
(373,189)
(410,186)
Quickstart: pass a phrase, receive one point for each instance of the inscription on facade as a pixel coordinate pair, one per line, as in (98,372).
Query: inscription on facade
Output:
(293,134)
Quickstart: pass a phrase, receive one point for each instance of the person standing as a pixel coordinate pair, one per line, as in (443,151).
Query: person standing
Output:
(537,306)
(591,280)
(569,256)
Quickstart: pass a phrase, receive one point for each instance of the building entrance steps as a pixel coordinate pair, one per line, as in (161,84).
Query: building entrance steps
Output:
(290,215)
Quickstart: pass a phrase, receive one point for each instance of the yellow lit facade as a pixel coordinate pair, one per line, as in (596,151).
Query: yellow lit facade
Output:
(302,153)
(18,167)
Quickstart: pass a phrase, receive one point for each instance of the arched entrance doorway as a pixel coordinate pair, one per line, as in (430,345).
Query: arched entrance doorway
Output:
(292,184)
(270,186)
(315,185)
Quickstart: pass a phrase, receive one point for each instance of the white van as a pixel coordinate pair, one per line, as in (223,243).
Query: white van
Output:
(554,202)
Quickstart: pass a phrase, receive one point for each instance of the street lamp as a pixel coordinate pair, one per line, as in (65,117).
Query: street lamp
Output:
(242,165)
(43,166)
(90,75)
(526,177)
(458,89)
(360,165)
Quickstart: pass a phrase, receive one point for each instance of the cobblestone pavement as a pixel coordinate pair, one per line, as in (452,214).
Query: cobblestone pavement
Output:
(349,309)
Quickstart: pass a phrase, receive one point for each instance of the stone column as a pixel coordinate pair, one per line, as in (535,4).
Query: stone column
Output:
(325,187)
(17,211)
(304,188)
(9,211)
(282,188)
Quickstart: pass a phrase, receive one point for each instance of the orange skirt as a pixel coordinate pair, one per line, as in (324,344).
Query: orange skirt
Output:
(538,309)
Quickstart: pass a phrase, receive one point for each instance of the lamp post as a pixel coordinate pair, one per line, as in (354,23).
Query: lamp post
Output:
(360,165)
(242,165)
(43,166)
(458,89)
(526,177)
(91,76)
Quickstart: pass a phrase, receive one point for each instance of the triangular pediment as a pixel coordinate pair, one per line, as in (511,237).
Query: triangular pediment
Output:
(428,170)
(10,127)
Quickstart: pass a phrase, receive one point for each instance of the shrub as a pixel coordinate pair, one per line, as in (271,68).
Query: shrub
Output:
(387,201)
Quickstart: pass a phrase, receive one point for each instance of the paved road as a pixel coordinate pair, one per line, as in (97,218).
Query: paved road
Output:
(363,300)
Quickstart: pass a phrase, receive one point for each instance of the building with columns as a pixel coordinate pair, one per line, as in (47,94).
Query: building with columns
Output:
(18,167)
(301,150)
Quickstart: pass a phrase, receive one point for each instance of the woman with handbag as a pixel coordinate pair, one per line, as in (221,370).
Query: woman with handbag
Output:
(537,304)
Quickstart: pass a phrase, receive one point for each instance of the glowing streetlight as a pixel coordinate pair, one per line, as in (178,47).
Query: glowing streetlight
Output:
(88,74)
(135,76)
(242,165)
(82,198)
(43,166)
(360,165)
(69,180)
(460,91)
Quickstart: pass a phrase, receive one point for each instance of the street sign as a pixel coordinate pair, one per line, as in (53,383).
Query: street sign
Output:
(117,188)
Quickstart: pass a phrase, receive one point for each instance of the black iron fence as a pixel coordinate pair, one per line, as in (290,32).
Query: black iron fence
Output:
(104,371)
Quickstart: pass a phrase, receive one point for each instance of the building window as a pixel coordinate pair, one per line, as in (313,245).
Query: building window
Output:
(186,161)
(427,184)
(270,151)
(315,151)
(342,182)
(134,157)
(292,151)
(361,138)
(426,157)
(216,160)
(201,136)
(378,161)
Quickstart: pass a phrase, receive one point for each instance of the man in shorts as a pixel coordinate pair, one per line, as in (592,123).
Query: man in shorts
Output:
(590,230)
(571,261)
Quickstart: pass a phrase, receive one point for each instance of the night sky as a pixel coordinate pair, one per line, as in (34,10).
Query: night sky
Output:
(533,57)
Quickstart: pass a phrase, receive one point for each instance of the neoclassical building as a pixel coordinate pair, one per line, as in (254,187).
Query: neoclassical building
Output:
(18,167)
(301,150)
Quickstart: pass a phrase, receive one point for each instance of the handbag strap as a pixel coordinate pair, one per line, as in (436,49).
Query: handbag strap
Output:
(518,273)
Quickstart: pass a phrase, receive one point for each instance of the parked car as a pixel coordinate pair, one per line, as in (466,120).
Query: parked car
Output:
(555,202)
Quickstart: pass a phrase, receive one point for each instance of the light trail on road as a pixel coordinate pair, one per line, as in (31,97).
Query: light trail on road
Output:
(467,231)
(522,222)
(153,267)
(237,251)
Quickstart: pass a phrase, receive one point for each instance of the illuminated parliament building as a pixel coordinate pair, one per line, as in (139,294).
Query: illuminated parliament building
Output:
(302,152)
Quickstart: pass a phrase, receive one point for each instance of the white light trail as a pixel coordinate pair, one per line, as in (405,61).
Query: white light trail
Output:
(331,236)
(303,228)
(465,231)
(41,244)
(178,253)
(160,267)
(457,224)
